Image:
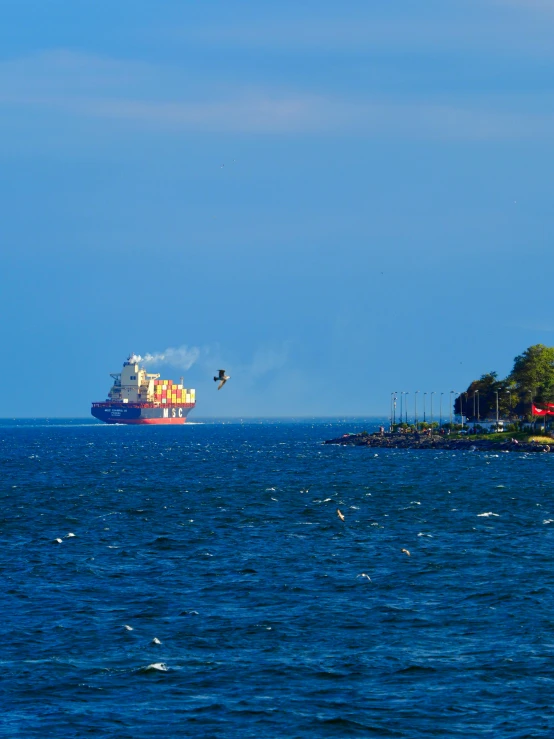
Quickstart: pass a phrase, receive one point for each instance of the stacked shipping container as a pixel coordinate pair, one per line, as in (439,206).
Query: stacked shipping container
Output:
(170,393)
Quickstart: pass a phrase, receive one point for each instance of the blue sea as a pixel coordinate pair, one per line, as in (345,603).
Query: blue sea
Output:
(203,584)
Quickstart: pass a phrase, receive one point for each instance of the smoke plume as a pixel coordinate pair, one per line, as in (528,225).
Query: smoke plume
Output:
(182,357)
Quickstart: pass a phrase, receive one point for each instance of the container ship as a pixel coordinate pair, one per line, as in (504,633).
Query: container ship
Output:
(140,397)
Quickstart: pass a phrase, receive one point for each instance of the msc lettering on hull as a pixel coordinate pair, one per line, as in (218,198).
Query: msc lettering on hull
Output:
(175,413)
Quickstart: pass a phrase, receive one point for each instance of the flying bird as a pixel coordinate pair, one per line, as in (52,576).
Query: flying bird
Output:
(364,575)
(340,515)
(406,552)
(222,379)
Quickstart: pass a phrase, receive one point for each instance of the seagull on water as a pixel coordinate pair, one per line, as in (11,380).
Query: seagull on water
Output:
(364,575)
(222,378)
(340,514)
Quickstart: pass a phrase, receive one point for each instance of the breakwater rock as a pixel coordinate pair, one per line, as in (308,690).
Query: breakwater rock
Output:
(424,441)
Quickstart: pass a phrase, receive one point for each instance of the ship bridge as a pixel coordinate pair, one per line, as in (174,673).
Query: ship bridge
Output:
(133,384)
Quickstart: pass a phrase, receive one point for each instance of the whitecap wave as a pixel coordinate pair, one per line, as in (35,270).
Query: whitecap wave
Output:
(156,666)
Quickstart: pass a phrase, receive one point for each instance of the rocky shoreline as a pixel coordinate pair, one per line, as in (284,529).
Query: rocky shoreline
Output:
(424,441)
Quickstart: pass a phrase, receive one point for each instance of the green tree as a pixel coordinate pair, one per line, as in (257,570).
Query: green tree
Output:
(479,400)
(533,376)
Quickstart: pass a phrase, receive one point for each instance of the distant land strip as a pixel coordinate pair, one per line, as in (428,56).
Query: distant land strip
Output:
(424,441)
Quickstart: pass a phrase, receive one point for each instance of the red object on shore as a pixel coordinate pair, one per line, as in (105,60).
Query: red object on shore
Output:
(542,412)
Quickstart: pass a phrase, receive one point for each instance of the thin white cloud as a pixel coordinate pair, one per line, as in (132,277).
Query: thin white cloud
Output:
(528,5)
(541,326)
(310,114)
(314,34)
(139,96)
(267,359)
(461,26)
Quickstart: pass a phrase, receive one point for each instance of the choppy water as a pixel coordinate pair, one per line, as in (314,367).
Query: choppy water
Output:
(222,542)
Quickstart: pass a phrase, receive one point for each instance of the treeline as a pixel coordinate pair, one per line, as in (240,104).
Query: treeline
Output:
(530,381)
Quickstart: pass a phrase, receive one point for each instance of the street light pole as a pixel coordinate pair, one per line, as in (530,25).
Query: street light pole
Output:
(496,392)
(415,409)
(406,393)
(433,393)
(478,415)
(451,393)
(401,403)
(440,412)
(424,407)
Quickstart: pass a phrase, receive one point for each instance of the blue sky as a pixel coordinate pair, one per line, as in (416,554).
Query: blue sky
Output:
(330,200)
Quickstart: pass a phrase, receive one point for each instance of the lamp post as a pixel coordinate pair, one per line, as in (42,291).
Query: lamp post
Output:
(401,405)
(451,393)
(433,393)
(424,407)
(415,409)
(462,408)
(440,411)
(496,393)
(406,393)
(478,415)
(509,403)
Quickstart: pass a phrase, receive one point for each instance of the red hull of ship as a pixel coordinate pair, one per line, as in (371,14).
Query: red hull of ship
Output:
(149,421)
(141,414)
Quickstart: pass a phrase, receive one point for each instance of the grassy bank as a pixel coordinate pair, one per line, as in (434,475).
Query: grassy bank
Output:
(522,436)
